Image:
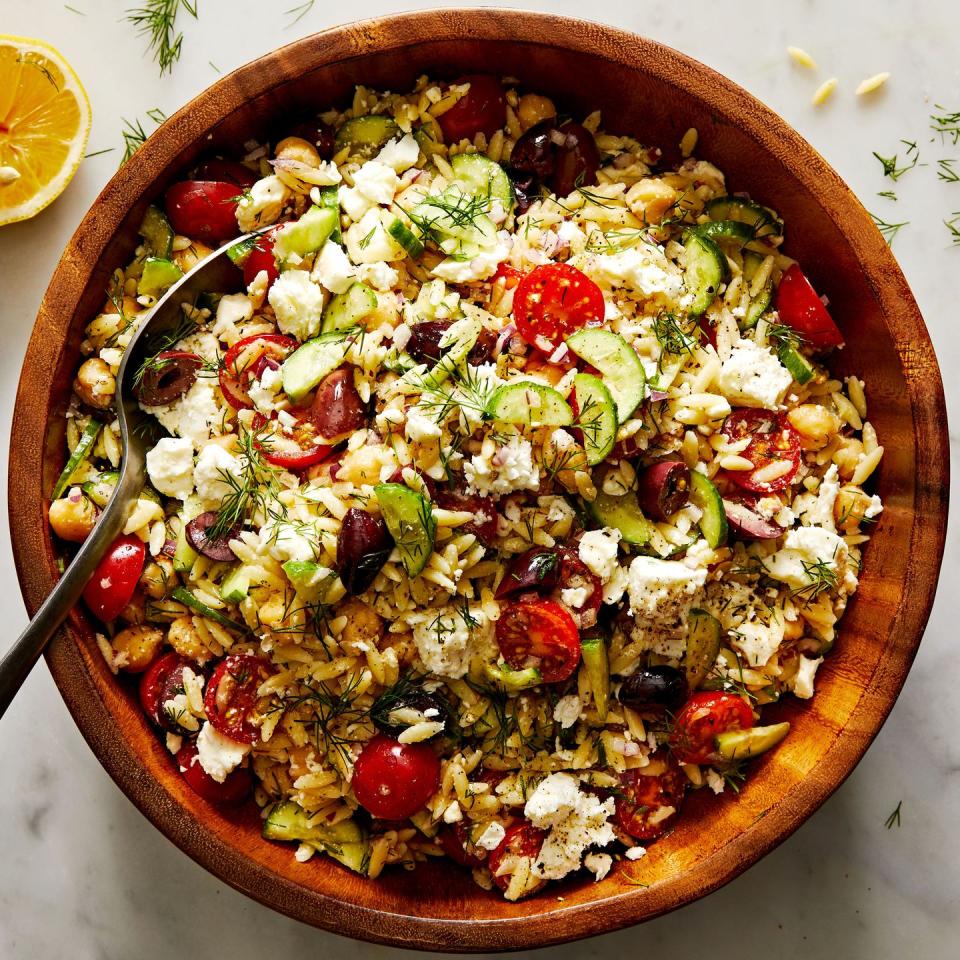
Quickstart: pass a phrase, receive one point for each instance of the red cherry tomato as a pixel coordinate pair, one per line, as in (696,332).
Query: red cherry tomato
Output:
(510,276)
(231,700)
(772,441)
(553,301)
(482,109)
(293,448)
(261,258)
(484,526)
(454,841)
(162,682)
(800,307)
(204,210)
(233,791)
(522,840)
(115,579)
(393,780)
(549,571)
(226,171)
(643,803)
(701,718)
(574,573)
(541,634)
(246,360)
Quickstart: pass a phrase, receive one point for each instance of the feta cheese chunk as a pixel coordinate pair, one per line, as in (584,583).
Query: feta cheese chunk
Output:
(803,682)
(192,416)
(263,392)
(510,468)
(219,755)
(598,551)
(298,303)
(420,426)
(804,551)
(400,154)
(232,309)
(598,864)
(333,269)
(643,268)
(369,242)
(374,183)
(492,836)
(662,593)
(446,639)
(290,541)
(212,473)
(753,377)
(170,467)
(816,509)
(567,711)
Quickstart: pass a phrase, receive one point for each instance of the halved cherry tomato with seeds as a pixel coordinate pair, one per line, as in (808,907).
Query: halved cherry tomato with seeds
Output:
(290,448)
(702,717)
(246,360)
(231,700)
(162,682)
(482,109)
(204,209)
(115,579)
(774,449)
(553,301)
(393,780)
(484,526)
(261,258)
(522,840)
(454,840)
(800,308)
(541,634)
(233,791)
(510,276)
(647,805)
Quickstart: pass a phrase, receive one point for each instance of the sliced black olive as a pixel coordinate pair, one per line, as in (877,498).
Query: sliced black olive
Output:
(167,377)
(654,688)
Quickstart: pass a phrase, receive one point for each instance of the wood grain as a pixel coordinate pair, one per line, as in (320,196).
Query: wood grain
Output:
(654,93)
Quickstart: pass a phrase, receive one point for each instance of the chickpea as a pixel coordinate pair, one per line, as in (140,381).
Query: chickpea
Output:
(363,625)
(549,371)
(73,517)
(850,507)
(157,577)
(296,148)
(183,637)
(533,109)
(95,385)
(651,199)
(135,612)
(403,646)
(815,424)
(187,258)
(847,456)
(135,647)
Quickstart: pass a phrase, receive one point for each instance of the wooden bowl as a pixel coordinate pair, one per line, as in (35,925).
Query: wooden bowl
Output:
(652,92)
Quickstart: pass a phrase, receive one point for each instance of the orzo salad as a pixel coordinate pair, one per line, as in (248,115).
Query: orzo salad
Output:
(492,506)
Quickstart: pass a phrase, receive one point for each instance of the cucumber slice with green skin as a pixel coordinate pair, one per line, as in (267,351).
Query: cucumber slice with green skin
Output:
(481,177)
(184,556)
(306,235)
(101,489)
(763,220)
(157,233)
(529,404)
(80,453)
(713,522)
(184,596)
(751,264)
(239,252)
(330,200)
(703,646)
(365,135)
(597,664)
(505,678)
(157,277)
(454,222)
(726,230)
(704,268)
(619,366)
(758,307)
(236,585)
(310,580)
(796,363)
(345,841)
(596,417)
(744,744)
(347,309)
(409,518)
(624,514)
(406,238)
(311,362)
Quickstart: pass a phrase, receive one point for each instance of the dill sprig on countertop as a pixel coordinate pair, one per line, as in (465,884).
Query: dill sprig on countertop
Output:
(891,167)
(134,135)
(889,230)
(157,20)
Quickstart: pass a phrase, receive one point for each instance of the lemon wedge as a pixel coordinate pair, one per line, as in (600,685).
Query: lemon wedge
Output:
(44,126)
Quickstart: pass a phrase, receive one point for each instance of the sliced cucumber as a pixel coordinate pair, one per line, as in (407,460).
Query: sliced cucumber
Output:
(529,404)
(184,556)
(704,267)
(597,664)
(713,522)
(596,417)
(77,456)
(762,220)
(505,678)
(365,135)
(100,490)
(236,585)
(619,366)
(457,343)
(157,277)
(330,200)
(306,235)
(409,518)
(481,177)
(726,230)
(703,646)
(405,237)
(624,514)
(157,233)
(345,841)
(311,362)
(453,222)
(347,309)
(310,580)
(239,252)
(796,363)
(184,596)
(758,307)
(744,744)
(429,136)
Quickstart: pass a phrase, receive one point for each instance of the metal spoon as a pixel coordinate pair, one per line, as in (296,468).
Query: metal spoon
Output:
(216,272)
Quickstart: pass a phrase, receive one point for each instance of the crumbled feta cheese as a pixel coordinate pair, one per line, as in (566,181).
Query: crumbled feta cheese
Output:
(662,593)
(758,639)
(714,781)
(635,853)
(214,469)
(298,303)
(816,510)
(219,755)
(575,597)
(333,269)
(369,242)
(804,549)
(874,508)
(193,415)
(174,743)
(598,551)
(232,309)
(446,639)
(170,467)
(400,154)
(263,392)
(262,203)
(482,266)
(753,377)
(374,183)
(567,711)
(380,276)
(453,813)
(616,586)
(420,426)
(803,682)
(511,468)
(643,269)
(492,836)
(598,864)
(290,541)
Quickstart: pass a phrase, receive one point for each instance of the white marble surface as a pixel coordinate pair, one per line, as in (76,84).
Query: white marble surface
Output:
(83,875)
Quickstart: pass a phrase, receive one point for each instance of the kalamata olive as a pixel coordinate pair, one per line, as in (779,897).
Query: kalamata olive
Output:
(663,488)
(216,548)
(424,342)
(337,409)
(484,527)
(577,160)
(482,351)
(654,688)
(749,525)
(535,151)
(537,569)
(167,377)
(402,706)
(318,133)
(526,188)
(363,545)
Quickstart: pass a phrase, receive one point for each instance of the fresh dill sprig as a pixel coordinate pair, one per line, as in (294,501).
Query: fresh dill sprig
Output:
(781,335)
(953,225)
(888,230)
(946,172)
(887,194)
(162,342)
(734,775)
(134,136)
(946,124)
(97,153)
(330,714)
(822,575)
(300,12)
(671,336)
(249,490)
(156,20)
(894,819)
(890,164)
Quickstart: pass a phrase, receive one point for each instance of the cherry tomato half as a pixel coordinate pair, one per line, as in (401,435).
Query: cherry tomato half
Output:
(482,109)
(699,721)
(484,524)
(204,209)
(772,441)
(233,791)
(644,803)
(800,307)
(115,579)
(454,840)
(510,276)
(522,840)
(393,780)
(261,258)
(162,681)
(553,301)
(245,361)
(290,448)
(231,700)
(541,634)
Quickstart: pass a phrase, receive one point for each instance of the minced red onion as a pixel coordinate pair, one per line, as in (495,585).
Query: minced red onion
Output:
(505,334)
(657,395)
(542,343)
(559,355)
